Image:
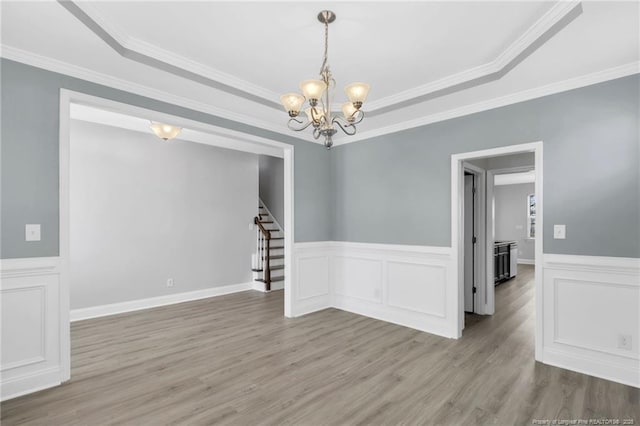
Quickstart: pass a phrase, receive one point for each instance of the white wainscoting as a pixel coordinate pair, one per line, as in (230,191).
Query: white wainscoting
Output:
(310,288)
(406,285)
(589,302)
(33,327)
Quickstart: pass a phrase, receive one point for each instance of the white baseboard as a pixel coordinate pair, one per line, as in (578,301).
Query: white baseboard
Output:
(30,383)
(526,261)
(628,374)
(153,302)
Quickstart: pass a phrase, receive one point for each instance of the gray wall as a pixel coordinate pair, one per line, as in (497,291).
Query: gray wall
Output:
(389,189)
(511,217)
(143,211)
(396,188)
(271,172)
(29,175)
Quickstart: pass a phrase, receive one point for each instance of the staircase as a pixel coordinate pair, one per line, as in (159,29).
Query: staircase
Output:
(268,265)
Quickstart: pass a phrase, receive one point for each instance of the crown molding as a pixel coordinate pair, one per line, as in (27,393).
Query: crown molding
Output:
(558,16)
(54,65)
(525,95)
(131,48)
(154,56)
(57,66)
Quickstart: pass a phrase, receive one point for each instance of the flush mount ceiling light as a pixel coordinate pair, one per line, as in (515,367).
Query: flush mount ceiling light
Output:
(165,131)
(317,92)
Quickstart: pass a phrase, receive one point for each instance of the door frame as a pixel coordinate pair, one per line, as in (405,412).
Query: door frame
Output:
(479,269)
(245,141)
(491,234)
(457,191)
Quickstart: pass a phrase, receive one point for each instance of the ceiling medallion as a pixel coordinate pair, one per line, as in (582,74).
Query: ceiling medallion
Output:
(317,92)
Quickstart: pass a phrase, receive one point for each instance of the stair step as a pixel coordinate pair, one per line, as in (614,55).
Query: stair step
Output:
(273,279)
(278,256)
(276,248)
(273,268)
(266,221)
(277,238)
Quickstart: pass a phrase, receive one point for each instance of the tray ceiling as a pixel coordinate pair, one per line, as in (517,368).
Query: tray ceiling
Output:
(418,56)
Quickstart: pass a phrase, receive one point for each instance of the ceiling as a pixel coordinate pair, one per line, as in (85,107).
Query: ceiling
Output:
(425,61)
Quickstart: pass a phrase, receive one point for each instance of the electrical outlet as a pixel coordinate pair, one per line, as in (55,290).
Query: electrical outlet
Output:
(624,341)
(170,282)
(32,232)
(559,232)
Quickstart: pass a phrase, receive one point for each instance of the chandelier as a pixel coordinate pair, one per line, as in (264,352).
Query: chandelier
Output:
(318,94)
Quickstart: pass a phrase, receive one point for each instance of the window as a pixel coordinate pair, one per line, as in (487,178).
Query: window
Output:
(531,216)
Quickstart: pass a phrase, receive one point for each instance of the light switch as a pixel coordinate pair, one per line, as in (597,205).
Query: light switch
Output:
(559,232)
(32,232)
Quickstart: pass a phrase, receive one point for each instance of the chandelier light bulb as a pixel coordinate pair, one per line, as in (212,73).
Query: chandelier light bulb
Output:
(357,93)
(349,111)
(317,115)
(313,90)
(165,131)
(292,103)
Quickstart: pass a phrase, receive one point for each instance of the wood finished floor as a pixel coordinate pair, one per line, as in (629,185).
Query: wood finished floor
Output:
(236,360)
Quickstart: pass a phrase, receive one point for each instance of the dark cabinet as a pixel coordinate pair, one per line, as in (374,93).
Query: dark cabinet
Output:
(502,252)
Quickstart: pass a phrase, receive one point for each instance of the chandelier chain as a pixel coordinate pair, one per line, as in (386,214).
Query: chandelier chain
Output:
(326,47)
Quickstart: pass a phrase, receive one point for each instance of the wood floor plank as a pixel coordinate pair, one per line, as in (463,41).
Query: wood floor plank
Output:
(236,360)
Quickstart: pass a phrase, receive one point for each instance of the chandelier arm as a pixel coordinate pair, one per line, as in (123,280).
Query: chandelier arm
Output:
(299,128)
(345,128)
(316,120)
(358,116)
(316,133)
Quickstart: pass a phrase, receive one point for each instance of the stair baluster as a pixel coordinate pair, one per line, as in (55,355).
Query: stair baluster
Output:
(265,254)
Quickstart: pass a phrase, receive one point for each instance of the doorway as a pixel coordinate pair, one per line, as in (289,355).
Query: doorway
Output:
(476,292)
(199,132)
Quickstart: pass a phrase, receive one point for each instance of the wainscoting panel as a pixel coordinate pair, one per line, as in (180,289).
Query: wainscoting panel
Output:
(404,285)
(417,287)
(311,287)
(357,278)
(591,307)
(31,334)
